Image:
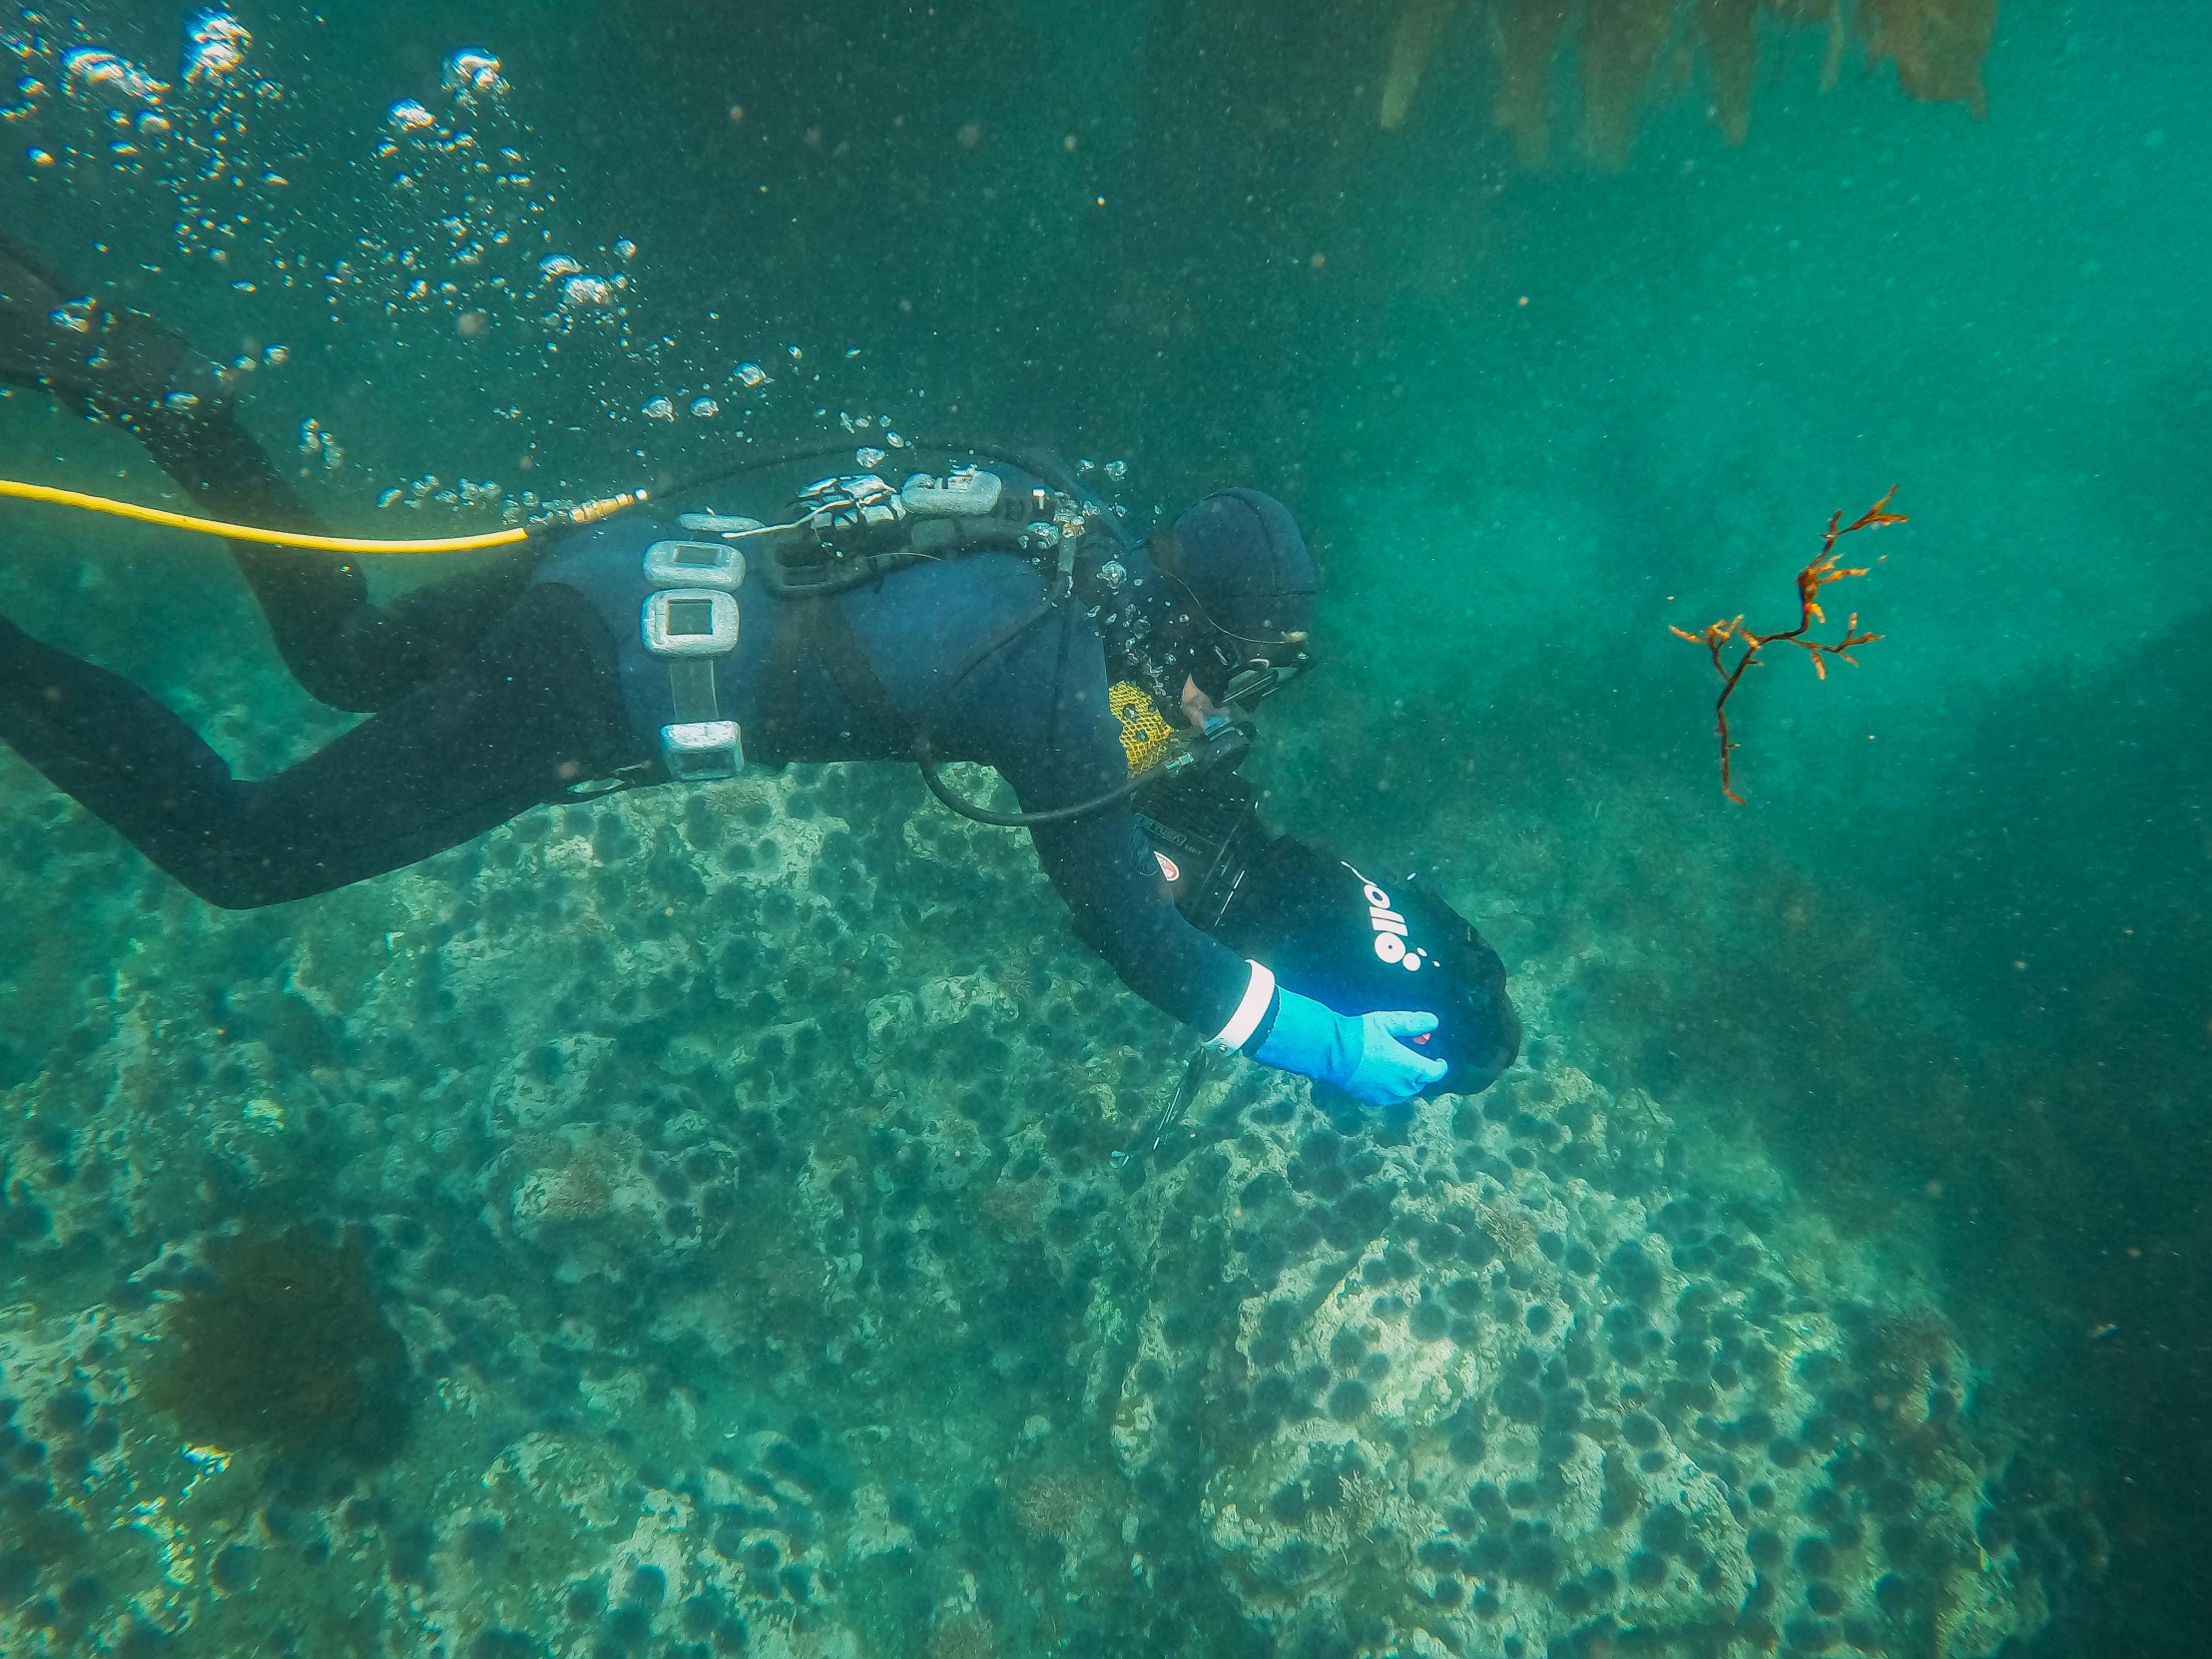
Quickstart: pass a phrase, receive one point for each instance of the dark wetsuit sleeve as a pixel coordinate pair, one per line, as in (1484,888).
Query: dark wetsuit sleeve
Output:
(1037,712)
(1101,864)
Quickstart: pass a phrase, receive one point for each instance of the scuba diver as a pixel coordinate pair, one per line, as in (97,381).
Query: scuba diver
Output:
(987,607)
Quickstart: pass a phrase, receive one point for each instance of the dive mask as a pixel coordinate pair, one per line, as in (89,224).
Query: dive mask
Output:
(1240,683)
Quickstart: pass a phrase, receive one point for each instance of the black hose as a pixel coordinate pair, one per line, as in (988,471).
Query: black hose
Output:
(1019,821)
(925,758)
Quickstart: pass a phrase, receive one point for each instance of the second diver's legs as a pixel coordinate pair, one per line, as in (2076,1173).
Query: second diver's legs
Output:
(533,708)
(122,364)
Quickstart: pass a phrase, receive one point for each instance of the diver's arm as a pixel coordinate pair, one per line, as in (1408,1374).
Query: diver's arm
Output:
(1122,911)
(1038,711)
(1103,867)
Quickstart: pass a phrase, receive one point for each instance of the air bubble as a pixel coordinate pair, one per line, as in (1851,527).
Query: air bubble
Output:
(1117,470)
(216,44)
(626,249)
(580,293)
(869,457)
(90,70)
(661,408)
(752,375)
(410,117)
(557,264)
(473,71)
(704,408)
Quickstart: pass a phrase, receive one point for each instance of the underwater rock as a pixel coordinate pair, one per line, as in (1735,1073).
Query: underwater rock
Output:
(785,1218)
(587,1198)
(1507,1478)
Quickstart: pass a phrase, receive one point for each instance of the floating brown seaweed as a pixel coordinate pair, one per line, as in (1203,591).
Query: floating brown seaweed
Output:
(1729,32)
(1621,43)
(1718,637)
(1414,37)
(1938,46)
(1529,33)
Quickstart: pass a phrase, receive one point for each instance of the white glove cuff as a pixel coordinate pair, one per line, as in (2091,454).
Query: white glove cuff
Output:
(1259,992)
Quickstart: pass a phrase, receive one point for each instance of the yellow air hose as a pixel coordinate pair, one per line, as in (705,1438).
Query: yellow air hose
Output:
(591,512)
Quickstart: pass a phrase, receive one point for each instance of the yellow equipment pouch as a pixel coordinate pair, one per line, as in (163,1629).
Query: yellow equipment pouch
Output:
(1146,736)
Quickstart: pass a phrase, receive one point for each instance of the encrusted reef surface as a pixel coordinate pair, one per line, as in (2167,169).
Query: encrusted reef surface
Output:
(691,1224)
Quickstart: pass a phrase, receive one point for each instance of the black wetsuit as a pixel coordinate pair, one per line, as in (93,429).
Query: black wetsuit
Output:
(498,691)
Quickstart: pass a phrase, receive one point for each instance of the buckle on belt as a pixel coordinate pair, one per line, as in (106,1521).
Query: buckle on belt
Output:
(700,751)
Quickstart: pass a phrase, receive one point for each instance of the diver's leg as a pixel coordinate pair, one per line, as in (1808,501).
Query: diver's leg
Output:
(534,707)
(98,361)
(341,649)
(127,367)
(124,367)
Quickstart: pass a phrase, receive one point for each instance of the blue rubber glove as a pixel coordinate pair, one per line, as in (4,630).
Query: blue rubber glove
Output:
(1360,1056)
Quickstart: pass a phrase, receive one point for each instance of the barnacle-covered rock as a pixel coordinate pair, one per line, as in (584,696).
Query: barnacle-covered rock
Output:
(1507,1402)
(792,1250)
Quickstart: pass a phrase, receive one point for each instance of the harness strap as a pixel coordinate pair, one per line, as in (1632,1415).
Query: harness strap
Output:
(850,667)
(784,691)
(816,631)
